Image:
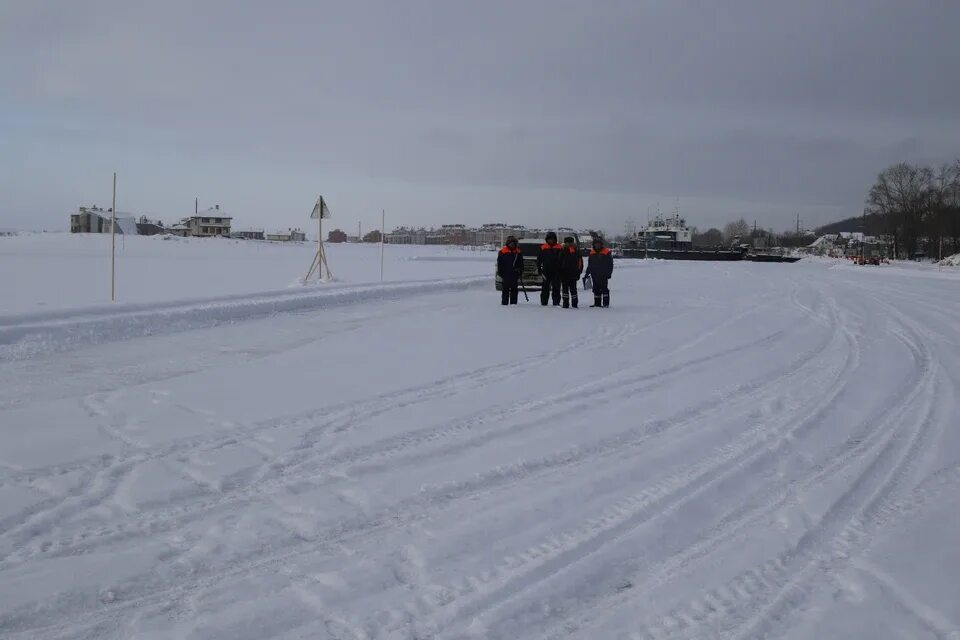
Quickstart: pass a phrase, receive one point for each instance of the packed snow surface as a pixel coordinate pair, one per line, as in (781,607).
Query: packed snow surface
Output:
(732,450)
(63,270)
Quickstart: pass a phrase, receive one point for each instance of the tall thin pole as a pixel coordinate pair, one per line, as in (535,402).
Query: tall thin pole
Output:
(863,239)
(320,242)
(113,244)
(383,230)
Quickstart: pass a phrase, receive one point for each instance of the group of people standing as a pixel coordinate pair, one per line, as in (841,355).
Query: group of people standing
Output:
(561,267)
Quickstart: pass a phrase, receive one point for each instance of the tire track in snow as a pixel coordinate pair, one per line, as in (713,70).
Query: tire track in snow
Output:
(210,442)
(753,602)
(742,517)
(26,336)
(336,418)
(46,514)
(43,516)
(406,512)
(475,595)
(340,412)
(932,620)
(328,469)
(866,519)
(133,375)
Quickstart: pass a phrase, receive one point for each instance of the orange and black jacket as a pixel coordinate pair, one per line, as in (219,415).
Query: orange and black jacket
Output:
(548,262)
(600,264)
(509,264)
(571,264)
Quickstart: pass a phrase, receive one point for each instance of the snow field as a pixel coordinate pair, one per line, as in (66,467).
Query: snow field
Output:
(730,450)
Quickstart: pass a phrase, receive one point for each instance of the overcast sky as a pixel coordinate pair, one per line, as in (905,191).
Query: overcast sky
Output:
(538,112)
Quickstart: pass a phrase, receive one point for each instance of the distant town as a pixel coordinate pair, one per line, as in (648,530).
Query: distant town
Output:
(210,223)
(216,223)
(921,223)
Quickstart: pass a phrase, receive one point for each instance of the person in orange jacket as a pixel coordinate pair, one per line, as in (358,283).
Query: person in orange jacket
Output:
(600,270)
(509,268)
(548,264)
(571,266)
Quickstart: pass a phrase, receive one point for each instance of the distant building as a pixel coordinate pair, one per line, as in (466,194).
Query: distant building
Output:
(290,235)
(206,224)
(462,235)
(182,229)
(126,224)
(97,220)
(405,235)
(88,220)
(248,234)
(147,227)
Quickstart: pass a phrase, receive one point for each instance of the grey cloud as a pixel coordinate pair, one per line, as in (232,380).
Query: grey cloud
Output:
(799,102)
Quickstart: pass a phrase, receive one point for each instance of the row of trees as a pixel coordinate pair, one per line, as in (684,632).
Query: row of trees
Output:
(741,231)
(918,207)
(713,237)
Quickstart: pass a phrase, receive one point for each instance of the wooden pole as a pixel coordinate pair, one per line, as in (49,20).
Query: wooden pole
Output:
(383,232)
(113,244)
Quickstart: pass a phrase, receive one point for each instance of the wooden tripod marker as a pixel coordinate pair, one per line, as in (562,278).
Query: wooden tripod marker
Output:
(319,263)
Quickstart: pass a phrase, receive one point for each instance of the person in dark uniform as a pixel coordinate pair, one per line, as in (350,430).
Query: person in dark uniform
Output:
(600,269)
(571,266)
(509,267)
(548,265)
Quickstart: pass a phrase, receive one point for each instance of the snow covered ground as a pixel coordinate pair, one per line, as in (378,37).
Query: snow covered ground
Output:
(951,261)
(731,450)
(63,270)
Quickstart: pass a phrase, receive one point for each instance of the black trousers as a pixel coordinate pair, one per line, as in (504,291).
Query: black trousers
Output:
(601,292)
(568,289)
(550,288)
(509,292)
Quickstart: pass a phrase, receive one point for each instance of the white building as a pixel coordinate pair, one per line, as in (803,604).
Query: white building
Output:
(97,220)
(205,224)
(290,235)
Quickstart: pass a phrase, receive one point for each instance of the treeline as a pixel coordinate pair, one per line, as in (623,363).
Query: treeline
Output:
(871,225)
(740,231)
(914,207)
(918,207)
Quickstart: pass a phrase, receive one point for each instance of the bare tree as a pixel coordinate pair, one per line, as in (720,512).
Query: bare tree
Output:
(733,230)
(944,217)
(953,208)
(710,238)
(903,195)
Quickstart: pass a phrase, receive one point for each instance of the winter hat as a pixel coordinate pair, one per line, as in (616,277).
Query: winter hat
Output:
(598,240)
(550,236)
(512,239)
(568,239)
